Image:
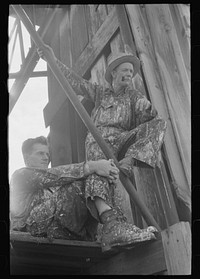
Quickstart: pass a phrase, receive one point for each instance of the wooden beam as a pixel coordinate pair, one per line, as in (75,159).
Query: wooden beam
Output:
(38,255)
(145,259)
(18,75)
(33,255)
(59,246)
(85,60)
(125,28)
(174,78)
(155,88)
(28,65)
(97,44)
(177,248)
(21,43)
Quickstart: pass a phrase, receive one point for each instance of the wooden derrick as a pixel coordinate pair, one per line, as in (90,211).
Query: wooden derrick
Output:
(174,77)
(98,14)
(98,72)
(85,60)
(102,12)
(147,189)
(84,39)
(177,248)
(154,85)
(97,44)
(79,34)
(116,44)
(181,18)
(109,8)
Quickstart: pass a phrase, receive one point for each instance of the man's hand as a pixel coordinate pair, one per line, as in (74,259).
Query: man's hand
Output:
(104,168)
(43,50)
(142,104)
(126,165)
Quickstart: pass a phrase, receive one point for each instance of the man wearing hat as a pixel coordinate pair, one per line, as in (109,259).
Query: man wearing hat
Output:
(132,129)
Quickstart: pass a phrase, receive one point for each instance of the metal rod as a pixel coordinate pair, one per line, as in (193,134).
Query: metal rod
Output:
(85,117)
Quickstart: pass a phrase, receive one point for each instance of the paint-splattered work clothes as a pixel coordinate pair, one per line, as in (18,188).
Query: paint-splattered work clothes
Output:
(51,203)
(119,121)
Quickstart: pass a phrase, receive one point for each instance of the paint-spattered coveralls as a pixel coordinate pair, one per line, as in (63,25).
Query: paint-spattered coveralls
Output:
(118,120)
(51,203)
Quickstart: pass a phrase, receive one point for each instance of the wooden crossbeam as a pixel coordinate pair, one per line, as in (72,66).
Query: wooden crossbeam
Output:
(28,66)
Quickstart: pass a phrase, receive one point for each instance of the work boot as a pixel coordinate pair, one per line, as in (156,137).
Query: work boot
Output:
(118,234)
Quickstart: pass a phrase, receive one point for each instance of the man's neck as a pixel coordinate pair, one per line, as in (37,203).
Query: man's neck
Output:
(118,89)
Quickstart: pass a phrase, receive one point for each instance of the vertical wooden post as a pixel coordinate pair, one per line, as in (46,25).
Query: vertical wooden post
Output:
(177,248)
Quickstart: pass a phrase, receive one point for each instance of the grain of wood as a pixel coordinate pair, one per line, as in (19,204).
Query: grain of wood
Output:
(174,77)
(154,84)
(177,248)
(97,44)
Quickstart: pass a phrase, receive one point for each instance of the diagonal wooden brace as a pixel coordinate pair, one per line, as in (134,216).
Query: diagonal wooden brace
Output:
(85,117)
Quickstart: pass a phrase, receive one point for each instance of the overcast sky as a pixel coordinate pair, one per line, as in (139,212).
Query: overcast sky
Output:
(26,119)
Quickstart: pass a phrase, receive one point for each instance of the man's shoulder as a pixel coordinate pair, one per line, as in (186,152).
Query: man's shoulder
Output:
(21,174)
(21,171)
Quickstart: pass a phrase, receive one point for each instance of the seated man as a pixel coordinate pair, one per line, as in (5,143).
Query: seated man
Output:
(51,202)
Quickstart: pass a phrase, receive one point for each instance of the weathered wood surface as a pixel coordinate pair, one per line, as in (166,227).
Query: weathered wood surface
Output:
(145,259)
(60,134)
(85,60)
(97,44)
(98,14)
(147,189)
(177,248)
(79,32)
(174,76)
(144,178)
(37,255)
(155,88)
(98,72)
(181,18)
(165,195)
(116,44)
(109,8)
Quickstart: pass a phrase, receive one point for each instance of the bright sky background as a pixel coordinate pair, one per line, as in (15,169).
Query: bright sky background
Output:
(26,119)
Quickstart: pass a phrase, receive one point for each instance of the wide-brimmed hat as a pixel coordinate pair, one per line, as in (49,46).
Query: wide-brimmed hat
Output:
(118,59)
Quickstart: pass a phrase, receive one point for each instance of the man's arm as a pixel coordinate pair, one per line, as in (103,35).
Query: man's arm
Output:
(79,84)
(30,179)
(73,172)
(144,110)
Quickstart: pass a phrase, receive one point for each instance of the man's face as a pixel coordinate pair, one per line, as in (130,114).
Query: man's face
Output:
(123,74)
(39,157)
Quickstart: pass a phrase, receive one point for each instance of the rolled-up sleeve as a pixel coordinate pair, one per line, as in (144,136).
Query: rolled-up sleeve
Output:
(69,172)
(146,114)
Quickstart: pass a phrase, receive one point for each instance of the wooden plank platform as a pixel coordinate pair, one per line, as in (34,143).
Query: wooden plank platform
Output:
(36,255)
(145,259)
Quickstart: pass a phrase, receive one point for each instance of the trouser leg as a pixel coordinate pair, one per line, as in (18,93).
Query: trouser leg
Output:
(147,141)
(96,186)
(59,213)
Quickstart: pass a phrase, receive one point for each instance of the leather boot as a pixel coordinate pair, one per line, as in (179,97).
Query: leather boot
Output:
(118,234)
